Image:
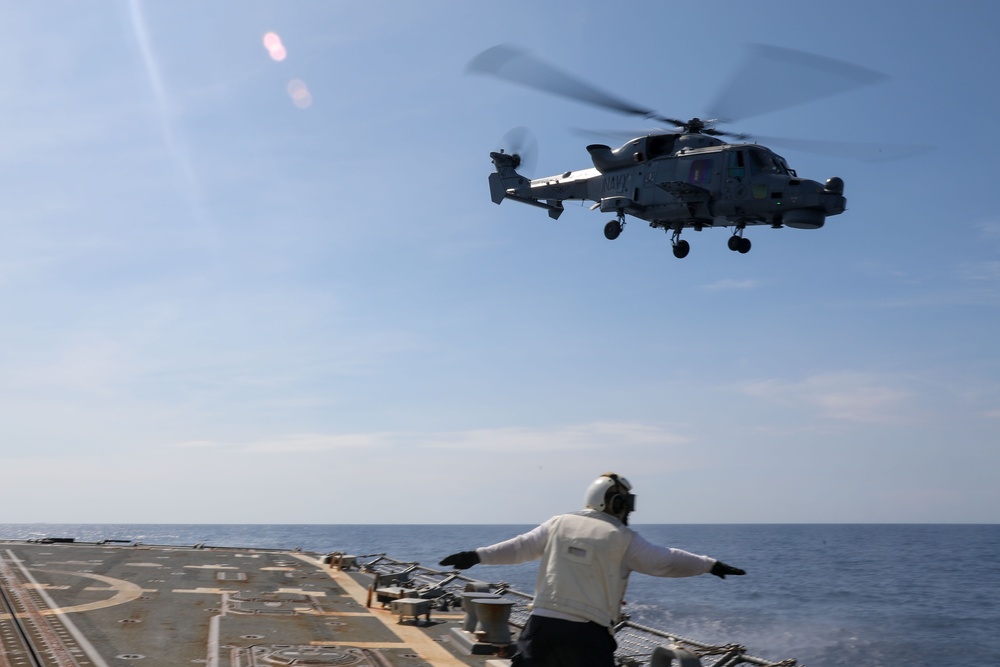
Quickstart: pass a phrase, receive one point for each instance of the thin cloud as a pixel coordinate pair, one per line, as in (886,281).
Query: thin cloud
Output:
(320,442)
(197,444)
(853,397)
(577,437)
(989,229)
(593,436)
(729,284)
(298,442)
(980,272)
(90,364)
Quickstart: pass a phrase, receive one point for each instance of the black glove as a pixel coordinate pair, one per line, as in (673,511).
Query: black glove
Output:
(720,570)
(463,560)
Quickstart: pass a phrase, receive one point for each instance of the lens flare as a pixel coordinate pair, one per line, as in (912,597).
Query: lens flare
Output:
(299,92)
(274,46)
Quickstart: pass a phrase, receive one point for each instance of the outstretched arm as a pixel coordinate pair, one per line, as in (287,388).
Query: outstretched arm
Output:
(521,549)
(643,556)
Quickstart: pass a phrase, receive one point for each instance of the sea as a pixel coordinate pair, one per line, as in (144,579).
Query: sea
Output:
(827,595)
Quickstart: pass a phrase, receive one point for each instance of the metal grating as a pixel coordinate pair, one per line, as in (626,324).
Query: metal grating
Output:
(635,642)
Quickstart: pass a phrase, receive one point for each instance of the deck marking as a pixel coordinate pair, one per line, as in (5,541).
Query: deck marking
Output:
(204,591)
(81,639)
(125,591)
(213,641)
(361,644)
(342,613)
(421,644)
(300,591)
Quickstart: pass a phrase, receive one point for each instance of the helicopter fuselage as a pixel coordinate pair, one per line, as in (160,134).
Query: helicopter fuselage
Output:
(680,181)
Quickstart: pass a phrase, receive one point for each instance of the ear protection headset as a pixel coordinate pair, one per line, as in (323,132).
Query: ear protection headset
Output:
(618,499)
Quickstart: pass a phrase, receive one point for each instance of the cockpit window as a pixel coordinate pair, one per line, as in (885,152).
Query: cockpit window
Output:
(765,162)
(784,165)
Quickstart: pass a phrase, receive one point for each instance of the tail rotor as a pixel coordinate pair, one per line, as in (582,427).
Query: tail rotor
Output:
(520,143)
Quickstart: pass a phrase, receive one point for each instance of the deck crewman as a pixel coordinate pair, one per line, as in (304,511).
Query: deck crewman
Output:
(586,558)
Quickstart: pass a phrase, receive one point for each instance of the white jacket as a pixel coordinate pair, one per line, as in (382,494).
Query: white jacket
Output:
(588,584)
(582,571)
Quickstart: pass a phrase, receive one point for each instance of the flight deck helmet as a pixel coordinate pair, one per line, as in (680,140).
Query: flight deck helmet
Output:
(611,493)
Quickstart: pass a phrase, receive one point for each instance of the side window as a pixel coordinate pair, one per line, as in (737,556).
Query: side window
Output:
(701,172)
(757,163)
(661,144)
(737,165)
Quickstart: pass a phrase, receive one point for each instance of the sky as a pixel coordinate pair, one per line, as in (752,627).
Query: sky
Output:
(250,271)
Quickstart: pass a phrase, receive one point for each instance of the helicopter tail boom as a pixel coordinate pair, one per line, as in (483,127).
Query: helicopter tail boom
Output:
(505,179)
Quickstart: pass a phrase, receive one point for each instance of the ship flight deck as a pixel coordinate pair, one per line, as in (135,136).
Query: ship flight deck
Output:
(67,603)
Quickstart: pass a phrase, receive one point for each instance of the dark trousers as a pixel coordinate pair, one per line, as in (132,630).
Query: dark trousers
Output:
(553,642)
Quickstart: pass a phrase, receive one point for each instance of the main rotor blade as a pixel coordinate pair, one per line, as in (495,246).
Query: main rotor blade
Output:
(854,150)
(774,78)
(516,66)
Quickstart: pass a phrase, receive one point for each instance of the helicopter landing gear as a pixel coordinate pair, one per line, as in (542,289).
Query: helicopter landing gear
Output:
(681,247)
(613,229)
(739,244)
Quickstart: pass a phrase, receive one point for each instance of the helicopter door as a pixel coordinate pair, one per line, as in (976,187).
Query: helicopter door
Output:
(737,178)
(702,172)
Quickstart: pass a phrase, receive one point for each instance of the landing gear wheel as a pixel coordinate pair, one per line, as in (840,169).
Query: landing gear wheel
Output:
(612,230)
(739,244)
(681,249)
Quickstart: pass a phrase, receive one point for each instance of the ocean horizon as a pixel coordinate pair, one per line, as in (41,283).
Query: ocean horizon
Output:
(828,595)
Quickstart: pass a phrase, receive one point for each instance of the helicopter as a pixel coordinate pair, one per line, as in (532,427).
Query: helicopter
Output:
(693,177)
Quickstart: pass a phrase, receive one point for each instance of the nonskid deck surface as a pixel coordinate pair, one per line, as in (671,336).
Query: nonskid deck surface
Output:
(100,605)
(69,603)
